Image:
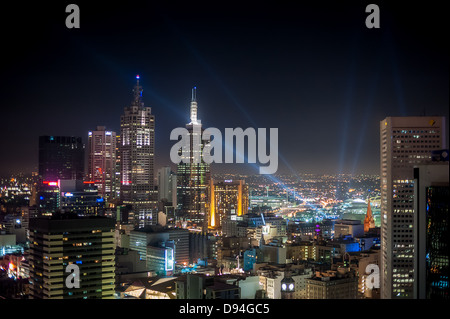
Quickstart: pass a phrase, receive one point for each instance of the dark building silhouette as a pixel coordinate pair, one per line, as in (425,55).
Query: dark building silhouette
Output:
(61,157)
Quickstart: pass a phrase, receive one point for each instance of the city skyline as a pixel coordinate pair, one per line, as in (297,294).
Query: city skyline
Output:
(224,151)
(316,73)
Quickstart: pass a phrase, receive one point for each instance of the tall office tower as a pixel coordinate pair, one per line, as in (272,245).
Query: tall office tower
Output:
(61,157)
(432,231)
(167,185)
(227,199)
(137,152)
(193,178)
(102,161)
(405,142)
(63,240)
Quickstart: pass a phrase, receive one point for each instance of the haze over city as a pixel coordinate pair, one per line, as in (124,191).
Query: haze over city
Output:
(313,71)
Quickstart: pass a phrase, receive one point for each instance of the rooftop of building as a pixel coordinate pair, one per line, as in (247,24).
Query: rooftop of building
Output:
(69,216)
(69,221)
(217,286)
(347,222)
(333,275)
(343,240)
(158,229)
(160,284)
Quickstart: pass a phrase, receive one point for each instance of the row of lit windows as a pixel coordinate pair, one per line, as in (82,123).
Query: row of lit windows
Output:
(402,281)
(415,131)
(414,149)
(401,275)
(431,142)
(402,241)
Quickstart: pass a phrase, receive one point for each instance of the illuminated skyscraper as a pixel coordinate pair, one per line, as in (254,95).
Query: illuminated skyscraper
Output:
(102,161)
(405,142)
(137,152)
(193,178)
(227,199)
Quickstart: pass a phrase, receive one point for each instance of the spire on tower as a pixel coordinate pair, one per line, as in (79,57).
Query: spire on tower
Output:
(193,113)
(194,94)
(369,222)
(137,93)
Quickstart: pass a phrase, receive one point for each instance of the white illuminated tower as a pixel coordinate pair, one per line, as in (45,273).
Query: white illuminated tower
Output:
(193,178)
(193,112)
(405,142)
(102,161)
(137,152)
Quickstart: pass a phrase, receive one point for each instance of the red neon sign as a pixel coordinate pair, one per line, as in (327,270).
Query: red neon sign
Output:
(50,183)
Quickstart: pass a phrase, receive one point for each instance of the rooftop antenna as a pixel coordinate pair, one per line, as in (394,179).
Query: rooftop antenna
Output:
(194,106)
(194,94)
(137,93)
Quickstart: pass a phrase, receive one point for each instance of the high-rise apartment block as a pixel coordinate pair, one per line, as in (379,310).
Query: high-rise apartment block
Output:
(405,142)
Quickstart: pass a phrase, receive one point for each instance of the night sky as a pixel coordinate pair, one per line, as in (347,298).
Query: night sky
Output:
(313,71)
